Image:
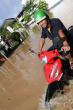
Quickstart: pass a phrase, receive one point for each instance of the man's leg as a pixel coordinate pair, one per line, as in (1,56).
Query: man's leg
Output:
(70,57)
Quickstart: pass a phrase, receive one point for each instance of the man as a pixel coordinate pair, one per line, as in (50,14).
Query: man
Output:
(54,30)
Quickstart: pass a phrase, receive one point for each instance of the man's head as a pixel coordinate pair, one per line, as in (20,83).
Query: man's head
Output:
(40,18)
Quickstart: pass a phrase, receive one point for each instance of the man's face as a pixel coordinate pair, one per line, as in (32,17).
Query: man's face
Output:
(43,23)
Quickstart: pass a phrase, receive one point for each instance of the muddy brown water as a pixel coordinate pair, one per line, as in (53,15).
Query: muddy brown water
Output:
(22,80)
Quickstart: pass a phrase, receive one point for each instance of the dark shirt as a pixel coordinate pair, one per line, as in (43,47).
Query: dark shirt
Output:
(56,25)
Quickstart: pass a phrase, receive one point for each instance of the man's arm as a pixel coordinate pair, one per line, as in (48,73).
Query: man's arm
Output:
(62,36)
(41,44)
(66,47)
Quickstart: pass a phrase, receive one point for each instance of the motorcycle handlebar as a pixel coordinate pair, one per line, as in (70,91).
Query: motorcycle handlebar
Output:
(63,52)
(60,52)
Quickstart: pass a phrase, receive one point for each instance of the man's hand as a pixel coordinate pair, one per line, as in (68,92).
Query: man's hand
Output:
(65,48)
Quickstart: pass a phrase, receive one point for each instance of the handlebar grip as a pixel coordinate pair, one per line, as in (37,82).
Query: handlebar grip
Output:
(63,52)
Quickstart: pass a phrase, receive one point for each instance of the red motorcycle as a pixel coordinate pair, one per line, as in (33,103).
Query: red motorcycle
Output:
(56,69)
(53,71)
(53,65)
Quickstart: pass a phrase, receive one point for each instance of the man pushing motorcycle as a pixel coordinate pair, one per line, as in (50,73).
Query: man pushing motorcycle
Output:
(55,30)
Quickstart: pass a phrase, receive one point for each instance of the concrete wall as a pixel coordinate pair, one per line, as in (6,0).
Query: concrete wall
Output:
(64,10)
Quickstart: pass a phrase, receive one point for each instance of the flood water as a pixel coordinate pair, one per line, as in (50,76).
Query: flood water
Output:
(22,80)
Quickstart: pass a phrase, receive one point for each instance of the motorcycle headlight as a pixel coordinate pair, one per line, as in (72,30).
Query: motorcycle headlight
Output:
(44,59)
